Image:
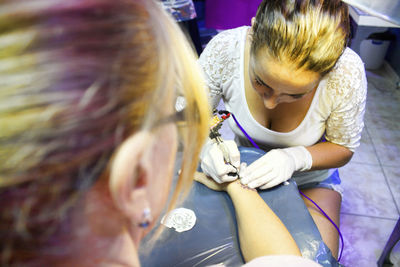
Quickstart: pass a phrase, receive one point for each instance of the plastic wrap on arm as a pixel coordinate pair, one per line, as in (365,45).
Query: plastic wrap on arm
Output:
(214,238)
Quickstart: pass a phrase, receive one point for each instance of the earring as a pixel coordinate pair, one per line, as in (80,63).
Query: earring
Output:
(146,218)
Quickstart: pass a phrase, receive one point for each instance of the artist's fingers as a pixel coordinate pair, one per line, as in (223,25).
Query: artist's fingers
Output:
(255,174)
(221,168)
(262,176)
(271,184)
(257,164)
(242,169)
(276,177)
(208,167)
(228,178)
(257,182)
(234,153)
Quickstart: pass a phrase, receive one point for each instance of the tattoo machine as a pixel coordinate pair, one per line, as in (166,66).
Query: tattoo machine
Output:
(216,123)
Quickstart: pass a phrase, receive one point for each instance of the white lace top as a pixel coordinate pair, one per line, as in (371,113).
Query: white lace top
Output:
(337,108)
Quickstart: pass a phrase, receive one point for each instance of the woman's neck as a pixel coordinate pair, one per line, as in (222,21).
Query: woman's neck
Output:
(98,232)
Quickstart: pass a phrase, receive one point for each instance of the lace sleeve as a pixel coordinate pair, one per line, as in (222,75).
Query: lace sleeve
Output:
(217,63)
(348,89)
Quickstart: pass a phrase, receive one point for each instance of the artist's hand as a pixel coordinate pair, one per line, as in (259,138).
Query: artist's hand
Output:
(213,164)
(210,183)
(275,167)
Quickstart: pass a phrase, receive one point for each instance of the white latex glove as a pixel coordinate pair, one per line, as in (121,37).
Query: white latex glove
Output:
(275,167)
(213,164)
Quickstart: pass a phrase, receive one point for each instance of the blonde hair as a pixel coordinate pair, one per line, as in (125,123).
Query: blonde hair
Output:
(311,34)
(78,77)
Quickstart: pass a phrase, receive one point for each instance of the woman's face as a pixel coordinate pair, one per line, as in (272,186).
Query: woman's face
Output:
(278,83)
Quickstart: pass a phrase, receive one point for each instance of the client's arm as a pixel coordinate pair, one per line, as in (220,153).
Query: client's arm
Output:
(261,232)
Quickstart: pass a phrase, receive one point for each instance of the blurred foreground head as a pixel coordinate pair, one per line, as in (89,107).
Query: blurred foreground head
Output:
(85,146)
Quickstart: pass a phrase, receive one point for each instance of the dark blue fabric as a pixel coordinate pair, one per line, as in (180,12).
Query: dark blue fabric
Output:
(214,238)
(333,179)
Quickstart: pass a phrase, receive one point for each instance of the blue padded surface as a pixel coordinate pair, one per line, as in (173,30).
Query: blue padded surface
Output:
(214,237)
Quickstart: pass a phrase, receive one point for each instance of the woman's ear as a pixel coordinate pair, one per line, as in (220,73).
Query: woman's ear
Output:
(129,177)
(141,175)
(253,20)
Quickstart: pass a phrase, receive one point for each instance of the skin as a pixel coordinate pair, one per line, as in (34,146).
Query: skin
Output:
(256,221)
(134,184)
(279,96)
